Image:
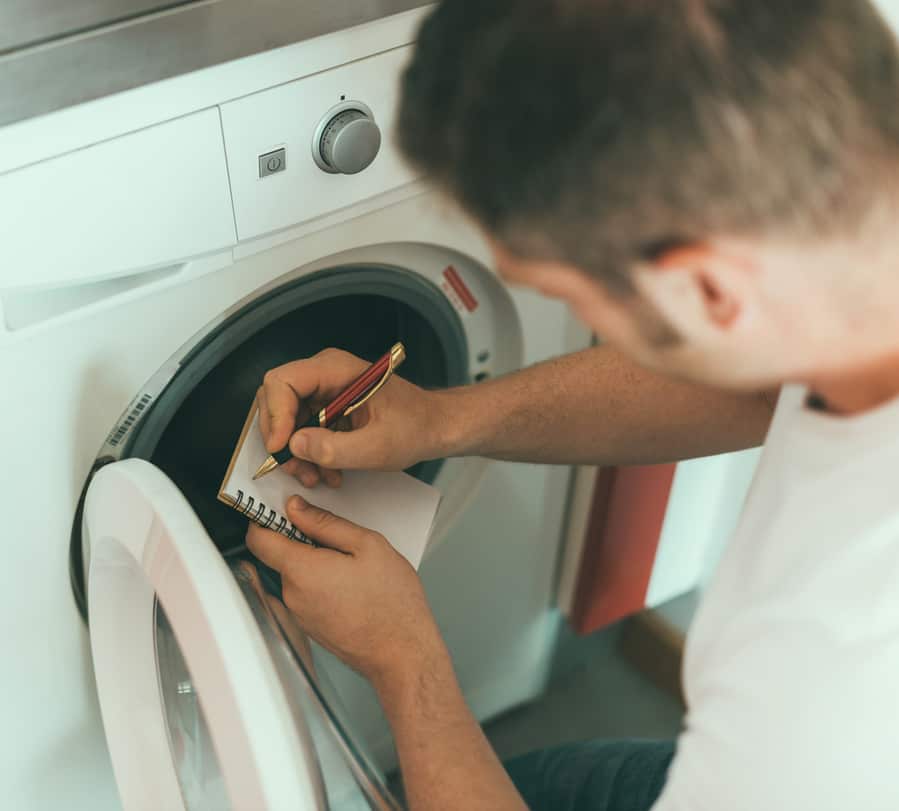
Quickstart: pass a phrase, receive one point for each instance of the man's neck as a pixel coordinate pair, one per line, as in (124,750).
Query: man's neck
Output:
(863,388)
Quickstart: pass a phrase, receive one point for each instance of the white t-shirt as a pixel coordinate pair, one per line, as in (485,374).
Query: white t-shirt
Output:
(791,669)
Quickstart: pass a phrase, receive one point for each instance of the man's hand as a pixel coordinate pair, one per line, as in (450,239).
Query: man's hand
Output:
(363,601)
(356,595)
(397,428)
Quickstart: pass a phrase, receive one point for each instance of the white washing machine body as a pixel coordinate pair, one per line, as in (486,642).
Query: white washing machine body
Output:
(120,291)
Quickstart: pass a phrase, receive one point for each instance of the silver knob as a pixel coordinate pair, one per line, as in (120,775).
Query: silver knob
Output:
(347,142)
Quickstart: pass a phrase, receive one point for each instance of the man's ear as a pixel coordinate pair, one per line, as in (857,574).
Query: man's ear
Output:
(697,280)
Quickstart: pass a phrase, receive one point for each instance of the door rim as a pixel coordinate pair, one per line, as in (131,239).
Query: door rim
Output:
(148,544)
(401,257)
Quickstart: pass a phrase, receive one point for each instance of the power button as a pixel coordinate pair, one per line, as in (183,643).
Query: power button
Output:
(272,162)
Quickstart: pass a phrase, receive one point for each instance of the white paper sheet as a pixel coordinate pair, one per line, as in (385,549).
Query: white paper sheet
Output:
(398,506)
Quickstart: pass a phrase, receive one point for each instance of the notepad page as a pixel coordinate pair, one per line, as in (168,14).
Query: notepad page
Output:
(398,506)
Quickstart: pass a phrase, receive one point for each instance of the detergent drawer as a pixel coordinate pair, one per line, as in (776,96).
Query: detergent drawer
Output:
(145,199)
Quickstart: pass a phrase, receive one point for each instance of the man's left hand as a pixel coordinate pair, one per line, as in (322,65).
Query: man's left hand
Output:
(355,595)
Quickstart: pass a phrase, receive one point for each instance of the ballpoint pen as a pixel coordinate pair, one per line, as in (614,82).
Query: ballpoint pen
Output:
(359,392)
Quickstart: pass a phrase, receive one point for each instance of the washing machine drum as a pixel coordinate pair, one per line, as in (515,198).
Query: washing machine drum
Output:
(211,696)
(190,433)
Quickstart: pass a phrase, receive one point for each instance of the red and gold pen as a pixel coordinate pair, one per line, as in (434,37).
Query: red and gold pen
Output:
(360,391)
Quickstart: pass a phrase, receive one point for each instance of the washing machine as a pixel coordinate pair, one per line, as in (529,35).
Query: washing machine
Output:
(162,248)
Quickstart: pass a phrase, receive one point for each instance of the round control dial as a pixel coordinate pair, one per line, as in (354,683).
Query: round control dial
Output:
(347,139)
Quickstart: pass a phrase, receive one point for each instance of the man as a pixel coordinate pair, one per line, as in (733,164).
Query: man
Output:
(712,186)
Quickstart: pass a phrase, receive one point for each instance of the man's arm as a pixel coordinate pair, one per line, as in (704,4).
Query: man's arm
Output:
(592,407)
(447,763)
(598,407)
(357,596)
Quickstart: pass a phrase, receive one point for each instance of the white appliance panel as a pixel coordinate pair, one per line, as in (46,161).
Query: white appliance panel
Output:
(112,271)
(76,376)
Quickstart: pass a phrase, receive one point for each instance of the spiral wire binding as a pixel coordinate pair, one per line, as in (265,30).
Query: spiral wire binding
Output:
(256,510)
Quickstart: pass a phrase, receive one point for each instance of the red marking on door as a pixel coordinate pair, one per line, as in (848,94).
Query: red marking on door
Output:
(461,289)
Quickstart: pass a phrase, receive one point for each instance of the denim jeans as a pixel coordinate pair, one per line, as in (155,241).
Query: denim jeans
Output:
(625,775)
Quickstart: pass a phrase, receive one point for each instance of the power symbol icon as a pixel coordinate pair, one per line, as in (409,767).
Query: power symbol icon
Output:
(272,162)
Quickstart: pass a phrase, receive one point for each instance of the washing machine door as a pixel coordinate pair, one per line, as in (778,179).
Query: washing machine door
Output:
(209,699)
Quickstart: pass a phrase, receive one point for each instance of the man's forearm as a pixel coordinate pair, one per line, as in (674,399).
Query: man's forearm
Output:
(597,407)
(447,764)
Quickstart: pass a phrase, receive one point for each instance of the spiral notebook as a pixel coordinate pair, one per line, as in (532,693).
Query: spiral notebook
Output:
(398,506)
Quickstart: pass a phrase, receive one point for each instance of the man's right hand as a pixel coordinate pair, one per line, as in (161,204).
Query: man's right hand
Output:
(397,428)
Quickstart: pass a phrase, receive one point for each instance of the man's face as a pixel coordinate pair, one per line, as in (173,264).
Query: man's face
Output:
(700,314)
(623,321)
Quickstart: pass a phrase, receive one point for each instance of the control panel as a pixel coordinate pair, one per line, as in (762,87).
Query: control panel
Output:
(336,128)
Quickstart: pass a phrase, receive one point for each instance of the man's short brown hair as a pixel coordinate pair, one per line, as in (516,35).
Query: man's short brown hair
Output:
(601,131)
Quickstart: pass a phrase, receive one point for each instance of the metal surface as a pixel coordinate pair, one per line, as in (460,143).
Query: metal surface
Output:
(25,23)
(57,53)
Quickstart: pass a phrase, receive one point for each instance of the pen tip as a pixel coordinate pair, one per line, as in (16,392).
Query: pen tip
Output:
(266,467)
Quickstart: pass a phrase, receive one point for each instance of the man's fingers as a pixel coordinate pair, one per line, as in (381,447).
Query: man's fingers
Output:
(305,473)
(265,422)
(310,475)
(285,387)
(326,528)
(335,449)
(282,403)
(274,549)
(332,478)
(325,373)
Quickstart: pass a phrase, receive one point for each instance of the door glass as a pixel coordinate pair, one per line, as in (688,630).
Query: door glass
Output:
(196,764)
(350,779)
